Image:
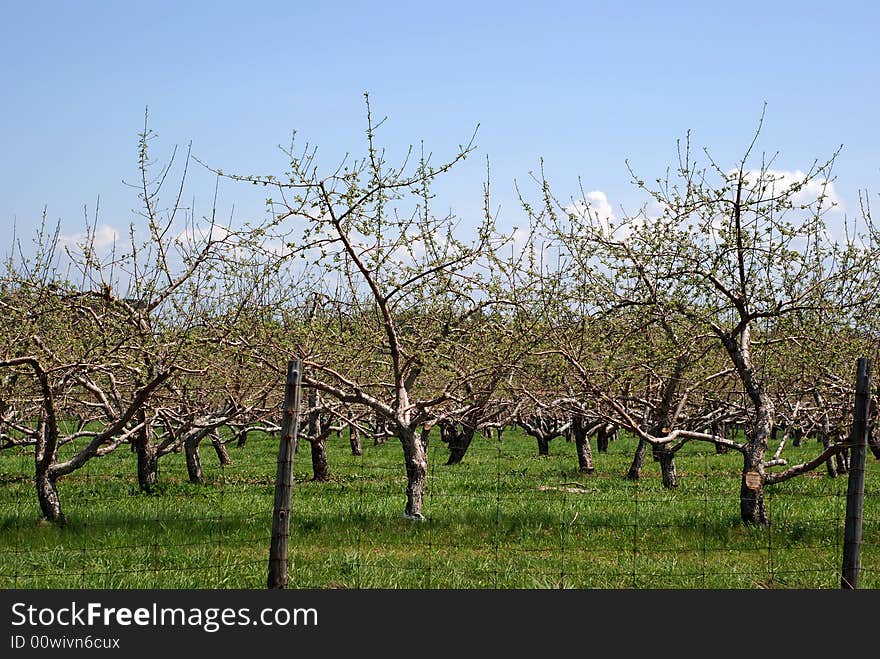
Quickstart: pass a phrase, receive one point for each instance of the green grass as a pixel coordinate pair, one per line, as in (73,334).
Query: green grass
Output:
(489,524)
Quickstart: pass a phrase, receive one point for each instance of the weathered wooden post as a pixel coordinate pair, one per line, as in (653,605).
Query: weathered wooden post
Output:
(855,491)
(284,477)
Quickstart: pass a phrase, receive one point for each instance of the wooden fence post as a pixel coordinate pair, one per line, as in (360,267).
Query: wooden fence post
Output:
(284,477)
(855,491)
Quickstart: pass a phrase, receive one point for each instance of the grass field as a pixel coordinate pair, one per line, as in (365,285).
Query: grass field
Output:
(505,518)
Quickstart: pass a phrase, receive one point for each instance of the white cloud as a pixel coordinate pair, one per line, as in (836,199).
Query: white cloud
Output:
(102,239)
(196,235)
(809,194)
(602,209)
(519,238)
(596,208)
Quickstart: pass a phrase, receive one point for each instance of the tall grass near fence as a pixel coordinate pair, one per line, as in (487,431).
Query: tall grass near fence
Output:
(505,518)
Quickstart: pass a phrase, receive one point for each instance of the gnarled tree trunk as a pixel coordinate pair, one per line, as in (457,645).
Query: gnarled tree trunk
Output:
(751,491)
(543,429)
(320,469)
(543,444)
(45,455)
(638,461)
(147,456)
(830,463)
(354,440)
(415,454)
(193,459)
(603,438)
(317,430)
(220,449)
(752,509)
(719,430)
(147,466)
(47,495)
(580,430)
(458,437)
(668,473)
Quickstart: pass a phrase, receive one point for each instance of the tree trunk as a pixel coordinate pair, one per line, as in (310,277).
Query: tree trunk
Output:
(829,463)
(603,438)
(354,439)
(664,419)
(459,438)
(379,431)
(415,456)
(585,454)
(582,445)
(543,429)
(543,444)
(751,491)
(147,456)
(47,495)
(666,458)
(45,455)
(147,465)
(193,459)
(752,510)
(242,437)
(719,430)
(842,462)
(638,461)
(320,470)
(317,430)
(220,449)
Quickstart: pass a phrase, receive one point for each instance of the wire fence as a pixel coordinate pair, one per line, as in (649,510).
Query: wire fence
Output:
(504,518)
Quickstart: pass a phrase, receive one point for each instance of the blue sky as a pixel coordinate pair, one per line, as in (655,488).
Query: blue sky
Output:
(583,85)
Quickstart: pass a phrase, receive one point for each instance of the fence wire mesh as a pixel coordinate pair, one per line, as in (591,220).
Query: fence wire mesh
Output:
(503,518)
